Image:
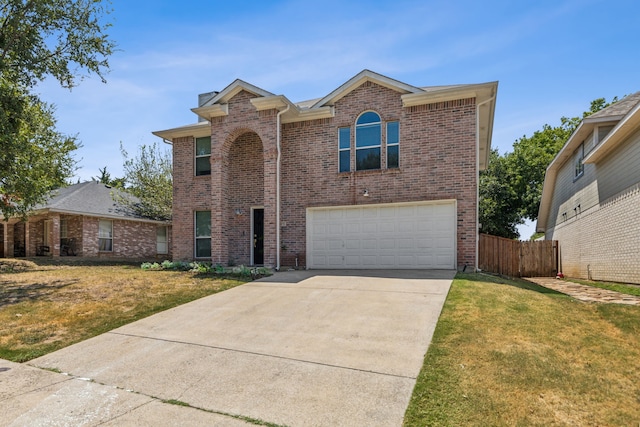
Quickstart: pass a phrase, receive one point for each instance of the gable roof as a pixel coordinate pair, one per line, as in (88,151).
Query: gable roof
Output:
(628,114)
(217,106)
(90,199)
(363,77)
(625,114)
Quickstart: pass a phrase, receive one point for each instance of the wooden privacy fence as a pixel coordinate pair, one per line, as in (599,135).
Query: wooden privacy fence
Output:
(537,258)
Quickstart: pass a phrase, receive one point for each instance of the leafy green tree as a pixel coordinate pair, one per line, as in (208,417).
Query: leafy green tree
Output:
(511,187)
(498,203)
(58,38)
(64,39)
(34,158)
(149,177)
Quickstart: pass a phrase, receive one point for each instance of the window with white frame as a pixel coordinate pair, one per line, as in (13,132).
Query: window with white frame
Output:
(105,236)
(368,141)
(344,149)
(203,154)
(162,246)
(202,234)
(579,165)
(393,145)
(64,228)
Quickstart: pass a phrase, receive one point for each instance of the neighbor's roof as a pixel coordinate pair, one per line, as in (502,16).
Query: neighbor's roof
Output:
(619,109)
(624,114)
(217,106)
(91,199)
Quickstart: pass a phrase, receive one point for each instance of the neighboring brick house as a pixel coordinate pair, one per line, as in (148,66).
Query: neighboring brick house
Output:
(376,174)
(84,220)
(591,196)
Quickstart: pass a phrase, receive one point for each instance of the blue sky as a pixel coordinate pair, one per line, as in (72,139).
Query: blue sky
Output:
(551,59)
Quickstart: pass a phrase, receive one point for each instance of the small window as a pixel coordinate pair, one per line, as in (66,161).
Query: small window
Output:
(203,154)
(579,156)
(162,246)
(393,145)
(344,149)
(203,234)
(603,131)
(64,228)
(368,141)
(105,236)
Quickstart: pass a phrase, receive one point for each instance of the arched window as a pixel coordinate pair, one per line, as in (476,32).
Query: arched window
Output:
(368,141)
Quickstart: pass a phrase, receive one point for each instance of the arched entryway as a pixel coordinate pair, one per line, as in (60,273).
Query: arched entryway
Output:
(245,200)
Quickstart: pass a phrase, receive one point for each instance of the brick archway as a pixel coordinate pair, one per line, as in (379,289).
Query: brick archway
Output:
(244,179)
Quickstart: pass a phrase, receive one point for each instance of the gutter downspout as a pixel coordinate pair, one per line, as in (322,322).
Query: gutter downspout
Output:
(278,186)
(475,270)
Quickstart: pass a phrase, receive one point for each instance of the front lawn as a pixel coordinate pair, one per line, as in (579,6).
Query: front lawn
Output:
(48,306)
(508,353)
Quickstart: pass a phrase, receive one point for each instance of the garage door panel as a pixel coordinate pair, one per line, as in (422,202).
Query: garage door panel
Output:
(406,227)
(422,244)
(335,244)
(386,227)
(405,243)
(352,244)
(319,245)
(369,244)
(336,229)
(420,235)
(369,260)
(319,260)
(367,213)
(369,228)
(387,244)
(427,260)
(334,260)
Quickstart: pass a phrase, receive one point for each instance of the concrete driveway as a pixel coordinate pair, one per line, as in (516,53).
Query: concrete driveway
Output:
(300,348)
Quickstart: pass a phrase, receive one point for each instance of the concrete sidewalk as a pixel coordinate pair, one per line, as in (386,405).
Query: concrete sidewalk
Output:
(299,348)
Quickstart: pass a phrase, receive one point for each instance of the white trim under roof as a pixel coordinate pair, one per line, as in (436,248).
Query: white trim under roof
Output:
(46,211)
(196,130)
(235,88)
(360,78)
(210,111)
(625,127)
(481,91)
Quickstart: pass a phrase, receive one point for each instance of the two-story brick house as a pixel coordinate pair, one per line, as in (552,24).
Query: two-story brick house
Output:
(376,174)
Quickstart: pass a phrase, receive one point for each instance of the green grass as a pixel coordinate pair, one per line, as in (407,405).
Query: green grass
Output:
(618,287)
(510,353)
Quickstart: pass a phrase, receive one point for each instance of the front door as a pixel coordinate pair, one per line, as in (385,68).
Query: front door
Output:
(257,224)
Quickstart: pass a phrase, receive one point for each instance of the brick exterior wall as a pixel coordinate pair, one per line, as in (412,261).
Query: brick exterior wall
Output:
(611,253)
(437,161)
(131,239)
(245,180)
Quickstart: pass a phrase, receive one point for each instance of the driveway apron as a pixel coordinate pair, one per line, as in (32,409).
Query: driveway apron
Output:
(300,348)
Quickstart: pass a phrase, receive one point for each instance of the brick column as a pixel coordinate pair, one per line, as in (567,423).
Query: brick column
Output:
(5,245)
(55,237)
(270,155)
(219,239)
(9,236)
(28,251)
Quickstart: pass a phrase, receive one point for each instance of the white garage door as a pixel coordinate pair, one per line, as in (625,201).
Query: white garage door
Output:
(403,235)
